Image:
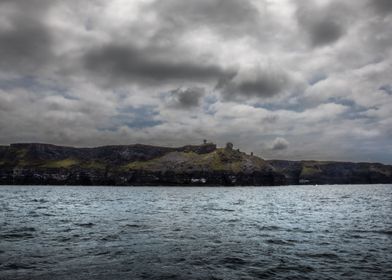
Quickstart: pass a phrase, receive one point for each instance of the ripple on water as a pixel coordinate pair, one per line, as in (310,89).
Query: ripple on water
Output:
(233,260)
(110,237)
(18,233)
(220,209)
(133,226)
(327,256)
(268,228)
(17,266)
(384,232)
(296,232)
(279,242)
(86,225)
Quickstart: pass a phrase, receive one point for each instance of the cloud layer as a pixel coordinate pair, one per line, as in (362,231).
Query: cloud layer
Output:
(283,79)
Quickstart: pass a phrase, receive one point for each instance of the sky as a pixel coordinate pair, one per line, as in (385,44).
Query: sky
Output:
(283,79)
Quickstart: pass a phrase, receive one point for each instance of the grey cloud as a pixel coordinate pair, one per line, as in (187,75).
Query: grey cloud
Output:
(27,46)
(376,39)
(323,25)
(129,64)
(325,32)
(229,17)
(99,80)
(30,8)
(31,117)
(280,144)
(25,41)
(382,6)
(386,88)
(265,86)
(185,98)
(258,83)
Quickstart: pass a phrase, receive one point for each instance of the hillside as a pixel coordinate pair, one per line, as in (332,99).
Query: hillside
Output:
(35,163)
(330,172)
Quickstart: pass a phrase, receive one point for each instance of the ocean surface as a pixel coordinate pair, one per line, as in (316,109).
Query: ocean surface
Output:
(293,232)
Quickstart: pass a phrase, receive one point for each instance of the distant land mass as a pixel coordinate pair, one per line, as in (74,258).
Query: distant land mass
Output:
(144,165)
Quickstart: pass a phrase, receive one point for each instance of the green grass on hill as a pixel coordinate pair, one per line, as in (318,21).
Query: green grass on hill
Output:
(309,170)
(218,160)
(93,165)
(65,163)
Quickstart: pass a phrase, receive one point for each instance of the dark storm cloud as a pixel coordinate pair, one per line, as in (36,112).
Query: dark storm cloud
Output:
(186,98)
(262,87)
(323,25)
(382,6)
(27,45)
(325,32)
(126,63)
(228,17)
(25,41)
(263,84)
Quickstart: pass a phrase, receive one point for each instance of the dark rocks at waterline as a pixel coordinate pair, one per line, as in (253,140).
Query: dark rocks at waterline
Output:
(75,176)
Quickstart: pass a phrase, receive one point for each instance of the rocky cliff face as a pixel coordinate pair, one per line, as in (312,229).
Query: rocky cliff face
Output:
(189,165)
(325,172)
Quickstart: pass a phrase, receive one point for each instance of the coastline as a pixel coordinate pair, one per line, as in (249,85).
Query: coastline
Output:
(191,165)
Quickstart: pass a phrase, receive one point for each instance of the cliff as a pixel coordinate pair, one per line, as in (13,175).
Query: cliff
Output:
(35,163)
(329,172)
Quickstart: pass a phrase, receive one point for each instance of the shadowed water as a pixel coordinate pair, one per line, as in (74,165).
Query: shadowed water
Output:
(293,232)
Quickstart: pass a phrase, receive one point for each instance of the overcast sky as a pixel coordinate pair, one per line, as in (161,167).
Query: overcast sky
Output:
(281,78)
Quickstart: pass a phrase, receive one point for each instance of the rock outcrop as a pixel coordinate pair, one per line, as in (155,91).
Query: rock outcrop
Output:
(329,172)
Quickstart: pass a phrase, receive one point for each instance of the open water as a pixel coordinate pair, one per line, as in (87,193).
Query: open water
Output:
(293,232)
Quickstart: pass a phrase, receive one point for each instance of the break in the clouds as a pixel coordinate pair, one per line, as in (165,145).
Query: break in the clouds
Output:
(283,79)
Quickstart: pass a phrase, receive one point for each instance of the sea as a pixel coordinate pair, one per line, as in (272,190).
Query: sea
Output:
(289,232)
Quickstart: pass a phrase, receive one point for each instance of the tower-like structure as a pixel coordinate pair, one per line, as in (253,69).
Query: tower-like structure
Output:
(229,146)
